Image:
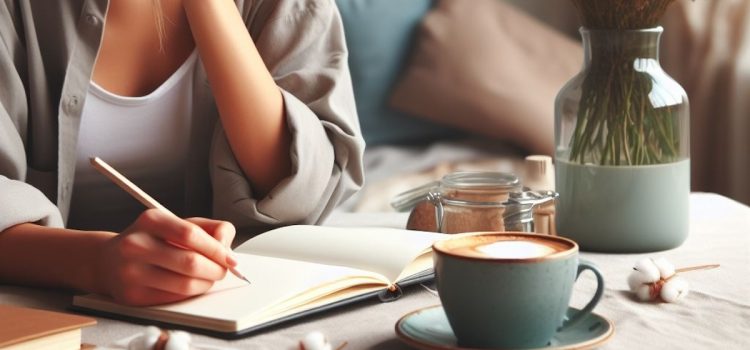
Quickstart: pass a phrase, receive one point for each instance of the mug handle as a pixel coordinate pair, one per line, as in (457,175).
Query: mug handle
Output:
(582,266)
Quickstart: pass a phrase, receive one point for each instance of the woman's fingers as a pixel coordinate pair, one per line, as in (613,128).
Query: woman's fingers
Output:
(146,296)
(147,249)
(184,234)
(156,297)
(162,258)
(167,281)
(223,231)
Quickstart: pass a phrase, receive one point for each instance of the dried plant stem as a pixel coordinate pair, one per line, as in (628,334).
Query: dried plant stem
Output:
(620,120)
(695,268)
(618,123)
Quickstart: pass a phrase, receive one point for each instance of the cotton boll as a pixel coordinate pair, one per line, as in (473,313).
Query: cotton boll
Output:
(666,269)
(640,280)
(182,335)
(652,279)
(138,343)
(648,269)
(637,279)
(643,292)
(315,341)
(674,289)
(178,340)
(152,331)
(145,341)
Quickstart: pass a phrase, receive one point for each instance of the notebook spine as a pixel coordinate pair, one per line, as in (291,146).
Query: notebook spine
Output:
(393,292)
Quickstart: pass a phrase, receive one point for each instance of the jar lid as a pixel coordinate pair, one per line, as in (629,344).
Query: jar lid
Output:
(481,179)
(405,201)
(506,182)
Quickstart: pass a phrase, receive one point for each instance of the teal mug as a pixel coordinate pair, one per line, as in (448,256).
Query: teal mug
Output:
(509,289)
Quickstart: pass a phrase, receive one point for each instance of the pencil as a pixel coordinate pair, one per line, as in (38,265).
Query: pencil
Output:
(140,195)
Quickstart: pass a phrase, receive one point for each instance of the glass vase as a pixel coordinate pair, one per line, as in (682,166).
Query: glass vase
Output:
(622,147)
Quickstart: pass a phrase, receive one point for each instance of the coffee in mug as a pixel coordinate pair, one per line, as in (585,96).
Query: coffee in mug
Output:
(490,247)
(509,289)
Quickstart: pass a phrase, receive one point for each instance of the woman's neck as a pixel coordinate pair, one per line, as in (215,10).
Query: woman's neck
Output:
(136,56)
(142,14)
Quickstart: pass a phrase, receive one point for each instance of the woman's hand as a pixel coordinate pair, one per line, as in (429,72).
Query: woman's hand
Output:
(161,258)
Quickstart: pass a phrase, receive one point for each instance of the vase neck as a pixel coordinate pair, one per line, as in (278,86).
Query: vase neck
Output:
(608,46)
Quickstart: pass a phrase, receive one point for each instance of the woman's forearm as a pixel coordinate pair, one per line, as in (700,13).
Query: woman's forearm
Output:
(250,104)
(52,257)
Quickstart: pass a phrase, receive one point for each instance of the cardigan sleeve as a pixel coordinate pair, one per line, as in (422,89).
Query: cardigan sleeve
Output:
(19,201)
(303,46)
(22,203)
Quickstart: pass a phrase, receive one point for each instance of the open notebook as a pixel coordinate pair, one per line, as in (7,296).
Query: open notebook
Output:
(295,271)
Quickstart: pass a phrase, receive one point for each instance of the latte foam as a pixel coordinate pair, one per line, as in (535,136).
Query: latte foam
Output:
(515,249)
(498,246)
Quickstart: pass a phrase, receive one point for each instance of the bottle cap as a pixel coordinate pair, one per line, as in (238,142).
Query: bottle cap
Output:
(539,173)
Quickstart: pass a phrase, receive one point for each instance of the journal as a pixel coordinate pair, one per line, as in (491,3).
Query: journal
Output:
(295,271)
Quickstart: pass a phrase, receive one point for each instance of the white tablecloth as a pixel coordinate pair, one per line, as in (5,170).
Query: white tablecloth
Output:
(715,315)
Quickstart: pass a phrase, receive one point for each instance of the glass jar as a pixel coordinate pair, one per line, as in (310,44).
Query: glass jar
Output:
(471,202)
(622,147)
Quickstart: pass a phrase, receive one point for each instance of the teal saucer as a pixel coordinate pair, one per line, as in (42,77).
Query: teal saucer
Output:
(428,329)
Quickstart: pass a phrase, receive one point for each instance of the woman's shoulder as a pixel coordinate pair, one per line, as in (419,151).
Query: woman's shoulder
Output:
(291,14)
(293,5)
(278,9)
(50,18)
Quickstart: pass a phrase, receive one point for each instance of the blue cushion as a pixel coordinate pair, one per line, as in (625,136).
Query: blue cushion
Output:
(380,35)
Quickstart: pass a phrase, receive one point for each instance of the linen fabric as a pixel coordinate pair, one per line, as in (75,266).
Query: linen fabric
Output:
(47,54)
(491,69)
(706,48)
(714,315)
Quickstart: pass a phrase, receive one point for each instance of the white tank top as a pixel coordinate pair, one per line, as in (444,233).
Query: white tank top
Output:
(146,138)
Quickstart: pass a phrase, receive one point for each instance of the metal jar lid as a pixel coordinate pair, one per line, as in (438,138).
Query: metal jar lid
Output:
(481,179)
(464,180)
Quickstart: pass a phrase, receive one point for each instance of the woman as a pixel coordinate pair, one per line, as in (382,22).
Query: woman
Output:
(242,112)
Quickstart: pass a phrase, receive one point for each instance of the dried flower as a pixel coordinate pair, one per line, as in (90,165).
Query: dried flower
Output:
(317,341)
(314,341)
(658,280)
(154,338)
(621,14)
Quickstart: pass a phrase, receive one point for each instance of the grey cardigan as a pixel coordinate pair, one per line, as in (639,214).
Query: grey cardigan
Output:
(47,52)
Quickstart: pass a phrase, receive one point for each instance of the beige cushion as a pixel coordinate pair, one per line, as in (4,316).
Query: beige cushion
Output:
(487,67)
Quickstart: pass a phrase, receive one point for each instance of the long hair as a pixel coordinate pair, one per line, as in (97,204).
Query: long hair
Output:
(160,21)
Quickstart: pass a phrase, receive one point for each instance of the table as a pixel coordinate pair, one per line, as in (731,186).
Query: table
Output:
(715,315)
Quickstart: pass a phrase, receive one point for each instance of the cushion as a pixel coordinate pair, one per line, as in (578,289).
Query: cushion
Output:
(487,67)
(380,34)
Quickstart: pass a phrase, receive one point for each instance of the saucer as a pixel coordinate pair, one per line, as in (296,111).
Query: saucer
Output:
(428,329)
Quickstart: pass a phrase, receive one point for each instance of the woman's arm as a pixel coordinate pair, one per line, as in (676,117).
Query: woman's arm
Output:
(303,47)
(37,255)
(250,104)
(158,259)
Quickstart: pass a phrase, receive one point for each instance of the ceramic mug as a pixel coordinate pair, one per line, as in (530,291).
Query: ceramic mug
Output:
(509,289)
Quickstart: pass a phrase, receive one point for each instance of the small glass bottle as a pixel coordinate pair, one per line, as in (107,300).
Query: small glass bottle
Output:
(539,175)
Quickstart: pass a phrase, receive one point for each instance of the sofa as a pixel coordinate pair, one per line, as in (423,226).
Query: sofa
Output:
(405,150)
(496,87)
